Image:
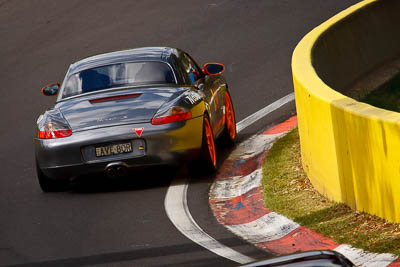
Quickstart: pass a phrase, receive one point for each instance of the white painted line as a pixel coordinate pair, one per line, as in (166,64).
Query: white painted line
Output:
(269,227)
(235,186)
(263,112)
(253,146)
(179,214)
(362,258)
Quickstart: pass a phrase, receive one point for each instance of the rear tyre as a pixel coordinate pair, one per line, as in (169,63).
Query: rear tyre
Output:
(229,134)
(208,154)
(49,185)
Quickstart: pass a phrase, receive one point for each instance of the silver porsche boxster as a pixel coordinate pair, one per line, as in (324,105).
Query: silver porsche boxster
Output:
(125,109)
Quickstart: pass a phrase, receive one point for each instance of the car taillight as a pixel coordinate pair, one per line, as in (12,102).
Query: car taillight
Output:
(54,134)
(53,125)
(173,114)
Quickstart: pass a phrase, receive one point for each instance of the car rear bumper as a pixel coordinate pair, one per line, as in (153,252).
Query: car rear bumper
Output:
(163,144)
(73,171)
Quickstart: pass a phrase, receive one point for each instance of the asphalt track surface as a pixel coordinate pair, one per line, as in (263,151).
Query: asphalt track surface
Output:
(123,223)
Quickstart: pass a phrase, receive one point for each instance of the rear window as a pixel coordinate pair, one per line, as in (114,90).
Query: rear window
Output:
(117,75)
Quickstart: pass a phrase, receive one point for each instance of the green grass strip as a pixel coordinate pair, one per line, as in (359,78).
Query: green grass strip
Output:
(288,191)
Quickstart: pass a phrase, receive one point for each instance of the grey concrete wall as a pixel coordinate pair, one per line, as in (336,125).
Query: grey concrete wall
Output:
(358,44)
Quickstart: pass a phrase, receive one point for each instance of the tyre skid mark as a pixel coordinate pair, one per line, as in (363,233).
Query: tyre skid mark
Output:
(241,209)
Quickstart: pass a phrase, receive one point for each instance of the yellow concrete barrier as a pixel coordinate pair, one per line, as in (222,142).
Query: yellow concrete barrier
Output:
(350,150)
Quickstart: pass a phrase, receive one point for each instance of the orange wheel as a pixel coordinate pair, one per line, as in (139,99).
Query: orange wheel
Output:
(230,117)
(209,138)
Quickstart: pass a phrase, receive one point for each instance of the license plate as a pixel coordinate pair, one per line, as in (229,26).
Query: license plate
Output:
(115,149)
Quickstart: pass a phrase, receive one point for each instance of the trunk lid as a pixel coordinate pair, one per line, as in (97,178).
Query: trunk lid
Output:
(115,107)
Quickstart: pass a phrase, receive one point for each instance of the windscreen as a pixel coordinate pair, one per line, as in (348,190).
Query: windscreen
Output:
(117,75)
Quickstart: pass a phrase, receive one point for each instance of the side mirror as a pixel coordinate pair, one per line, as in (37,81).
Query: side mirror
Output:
(51,89)
(213,68)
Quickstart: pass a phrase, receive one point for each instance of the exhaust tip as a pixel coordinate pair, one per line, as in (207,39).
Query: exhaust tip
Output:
(117,168)
(111,172)
(121,171)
